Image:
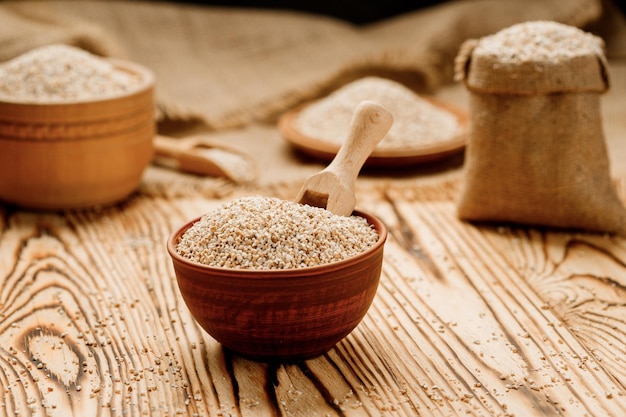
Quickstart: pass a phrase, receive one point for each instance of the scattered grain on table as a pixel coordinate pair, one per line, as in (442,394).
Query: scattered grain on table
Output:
(61,73)
(417,121)
(268,233)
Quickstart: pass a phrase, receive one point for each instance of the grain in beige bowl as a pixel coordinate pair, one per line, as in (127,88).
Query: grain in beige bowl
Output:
(275,280)
(76,129)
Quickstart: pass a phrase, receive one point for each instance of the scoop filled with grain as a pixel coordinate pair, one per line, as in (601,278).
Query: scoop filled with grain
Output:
(276,280)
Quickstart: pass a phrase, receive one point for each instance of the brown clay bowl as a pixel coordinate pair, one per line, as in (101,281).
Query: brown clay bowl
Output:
(284,315)
(77,154)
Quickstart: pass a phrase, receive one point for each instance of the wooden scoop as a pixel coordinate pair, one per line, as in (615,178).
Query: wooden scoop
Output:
(333,187)
(202,156)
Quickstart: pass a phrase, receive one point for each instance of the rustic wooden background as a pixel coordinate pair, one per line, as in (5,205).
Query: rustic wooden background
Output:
(468,320)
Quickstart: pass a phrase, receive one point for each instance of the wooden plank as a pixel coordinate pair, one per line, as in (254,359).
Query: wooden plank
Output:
(551,355)
(480,321)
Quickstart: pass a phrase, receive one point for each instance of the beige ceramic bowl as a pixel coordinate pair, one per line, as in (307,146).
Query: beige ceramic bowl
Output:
(285,315)
(79,154)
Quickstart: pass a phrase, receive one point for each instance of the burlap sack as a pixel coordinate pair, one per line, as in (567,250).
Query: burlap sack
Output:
(536,152)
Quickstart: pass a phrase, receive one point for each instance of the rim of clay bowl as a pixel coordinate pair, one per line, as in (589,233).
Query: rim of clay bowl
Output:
(378,224)
(147,81)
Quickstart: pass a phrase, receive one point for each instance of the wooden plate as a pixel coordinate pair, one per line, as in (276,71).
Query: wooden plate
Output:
(325,150)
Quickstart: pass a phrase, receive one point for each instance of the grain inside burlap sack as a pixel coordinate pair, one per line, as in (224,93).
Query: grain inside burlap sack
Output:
(536,152)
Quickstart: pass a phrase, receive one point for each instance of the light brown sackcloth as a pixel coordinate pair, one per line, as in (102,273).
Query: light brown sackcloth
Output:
(229,67)
(236,70)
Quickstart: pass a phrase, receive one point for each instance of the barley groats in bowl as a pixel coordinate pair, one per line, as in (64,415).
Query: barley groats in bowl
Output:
(536,153)
(274,279)
(76,129)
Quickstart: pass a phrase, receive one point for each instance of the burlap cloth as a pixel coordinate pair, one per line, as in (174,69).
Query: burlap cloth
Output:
(229,66)
(230,72)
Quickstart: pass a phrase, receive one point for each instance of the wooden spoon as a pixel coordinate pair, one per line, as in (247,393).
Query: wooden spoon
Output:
(202,156)
(333,187)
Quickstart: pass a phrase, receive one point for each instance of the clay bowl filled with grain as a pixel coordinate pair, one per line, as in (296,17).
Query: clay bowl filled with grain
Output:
(284,304)
(75,133)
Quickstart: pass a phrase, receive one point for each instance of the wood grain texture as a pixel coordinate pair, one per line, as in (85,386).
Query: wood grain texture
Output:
(468,320)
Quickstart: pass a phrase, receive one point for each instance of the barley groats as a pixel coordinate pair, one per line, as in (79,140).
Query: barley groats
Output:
(417,122)
(268,233)
(60,73)
(536,153)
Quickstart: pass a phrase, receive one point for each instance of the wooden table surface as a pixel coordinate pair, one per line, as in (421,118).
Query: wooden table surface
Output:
(468,320)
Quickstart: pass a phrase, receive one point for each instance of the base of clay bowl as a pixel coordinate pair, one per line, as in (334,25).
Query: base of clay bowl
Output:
(78,154)
(281,315)
(59,175)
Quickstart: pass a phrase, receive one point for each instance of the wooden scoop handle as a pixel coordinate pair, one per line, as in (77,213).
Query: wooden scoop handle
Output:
(333,187)
(370,123)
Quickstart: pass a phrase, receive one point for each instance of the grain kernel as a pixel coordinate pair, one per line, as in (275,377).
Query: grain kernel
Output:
(269,233)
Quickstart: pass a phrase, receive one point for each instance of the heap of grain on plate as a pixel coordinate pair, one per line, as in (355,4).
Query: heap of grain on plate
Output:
(536,153)
(417,122)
